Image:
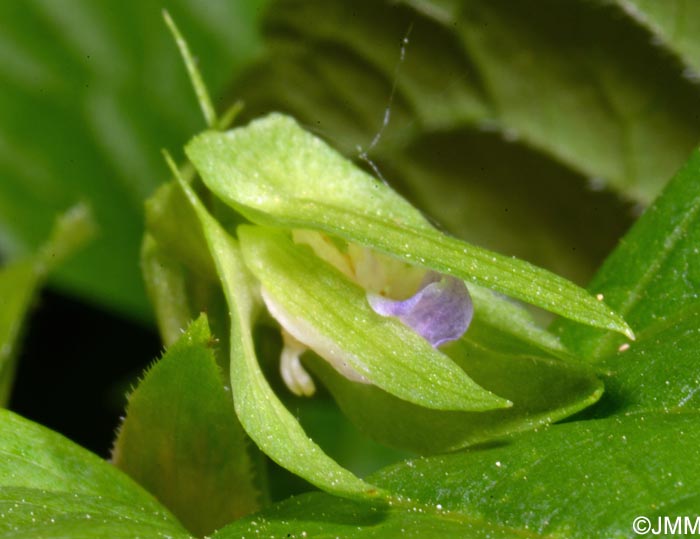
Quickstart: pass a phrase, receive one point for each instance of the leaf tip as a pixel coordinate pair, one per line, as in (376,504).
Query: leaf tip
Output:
(488,401)
(619,325)
(72,230)
(166,17)
(499,403)
(623,327)
(195,76)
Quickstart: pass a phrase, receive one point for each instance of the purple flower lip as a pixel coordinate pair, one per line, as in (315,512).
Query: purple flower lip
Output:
(440,311)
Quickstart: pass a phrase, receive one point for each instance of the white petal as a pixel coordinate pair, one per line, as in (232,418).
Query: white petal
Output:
(305,333)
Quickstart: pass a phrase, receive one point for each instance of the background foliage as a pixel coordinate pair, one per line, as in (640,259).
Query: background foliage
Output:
(541,133)
(92,92)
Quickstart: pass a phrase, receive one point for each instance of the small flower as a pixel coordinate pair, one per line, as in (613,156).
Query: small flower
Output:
(437,307)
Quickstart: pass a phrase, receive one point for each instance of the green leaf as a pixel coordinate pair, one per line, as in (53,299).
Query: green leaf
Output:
(653,279)
(91,92)
(655,271)
(274,172)
(578,480)
(659,372)
(51,514)
(271,426)
(317,515)
(674,24)
(50,487)
(615,469)
(336,312)
(600,113)
(20,280)
(181,439)
(542,391)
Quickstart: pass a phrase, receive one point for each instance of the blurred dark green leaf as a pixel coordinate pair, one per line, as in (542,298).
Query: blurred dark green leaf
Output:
(91,92)
(52,488)
(579,82)
(675,25)
(579,480)
(181,439)
(18,285)
(20,280)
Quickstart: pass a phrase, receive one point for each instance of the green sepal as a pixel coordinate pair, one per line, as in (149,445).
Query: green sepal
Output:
(269,424)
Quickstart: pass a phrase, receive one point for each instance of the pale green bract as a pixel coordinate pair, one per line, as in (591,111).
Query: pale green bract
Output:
(275,173)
